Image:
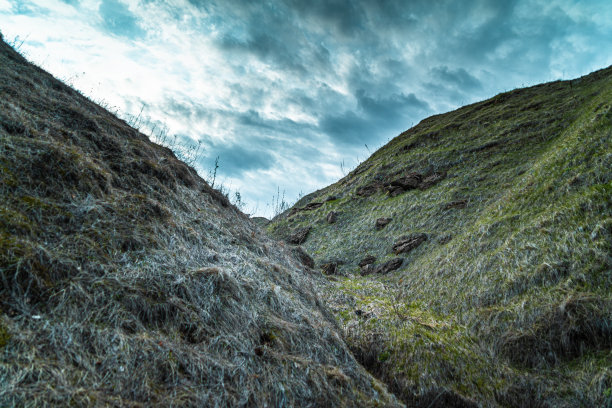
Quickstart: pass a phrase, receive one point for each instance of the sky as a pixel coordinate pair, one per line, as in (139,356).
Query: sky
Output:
(290,95)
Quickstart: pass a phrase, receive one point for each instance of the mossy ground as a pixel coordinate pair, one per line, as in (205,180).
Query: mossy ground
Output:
(515,281)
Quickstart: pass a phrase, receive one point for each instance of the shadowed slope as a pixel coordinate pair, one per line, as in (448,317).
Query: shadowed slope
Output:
(125,280)
(497,218)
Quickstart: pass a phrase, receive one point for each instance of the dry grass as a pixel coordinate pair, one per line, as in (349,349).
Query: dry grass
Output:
(125,280)
(514,282)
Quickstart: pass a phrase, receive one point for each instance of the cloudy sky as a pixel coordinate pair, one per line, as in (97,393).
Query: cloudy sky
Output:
(291,94)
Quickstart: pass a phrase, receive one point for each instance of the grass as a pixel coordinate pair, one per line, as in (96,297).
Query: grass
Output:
(515,283)
(126,280)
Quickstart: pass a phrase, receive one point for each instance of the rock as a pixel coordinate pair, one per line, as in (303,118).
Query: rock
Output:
(367,269)
(403,184)
(395,191)
(361,313)
(311,206)
(331,217)
(329,268)
(389,266)
(408,182)
(456,204)
(368,189)
(307,207)
(299,236)
(331,198)
(406,244)
(412,181)
(304,258)
(432,179)
(382,222)
(368,260)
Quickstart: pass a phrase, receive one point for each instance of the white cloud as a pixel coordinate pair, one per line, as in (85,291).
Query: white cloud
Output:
(5,5)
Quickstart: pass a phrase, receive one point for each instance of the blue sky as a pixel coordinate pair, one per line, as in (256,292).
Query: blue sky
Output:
(285,91)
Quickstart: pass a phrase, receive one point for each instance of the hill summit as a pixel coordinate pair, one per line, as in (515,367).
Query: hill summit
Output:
(469,259)
(125,280)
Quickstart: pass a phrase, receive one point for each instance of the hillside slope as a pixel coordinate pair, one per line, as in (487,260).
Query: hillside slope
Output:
(125,280)
(470,258)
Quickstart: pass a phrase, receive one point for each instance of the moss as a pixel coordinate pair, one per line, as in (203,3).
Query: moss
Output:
(15,222)
(7,178)
(4,336)
(384,356)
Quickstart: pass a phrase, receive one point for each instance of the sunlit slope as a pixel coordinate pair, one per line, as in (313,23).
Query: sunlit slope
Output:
(507,300)
(125,280)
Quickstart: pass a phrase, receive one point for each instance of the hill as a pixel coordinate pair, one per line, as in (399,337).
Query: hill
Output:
(125,280)
(469,259)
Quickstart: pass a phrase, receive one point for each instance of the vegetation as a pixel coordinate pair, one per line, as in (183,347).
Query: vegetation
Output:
(126,280)
(506,301)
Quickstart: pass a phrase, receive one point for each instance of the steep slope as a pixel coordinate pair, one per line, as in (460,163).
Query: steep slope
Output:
(471,256)
(125,280)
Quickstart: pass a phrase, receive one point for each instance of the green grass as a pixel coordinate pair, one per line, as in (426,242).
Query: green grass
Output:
(522,273)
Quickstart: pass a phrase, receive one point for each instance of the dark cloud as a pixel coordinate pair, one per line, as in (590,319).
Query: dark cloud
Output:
(252,118)
(390,107)
(235,159)
(457,77)
(267,47)
(345,17)
(119,20)
(376,118)
(347,128)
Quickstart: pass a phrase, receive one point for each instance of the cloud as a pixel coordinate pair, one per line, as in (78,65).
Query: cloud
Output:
(234,160)
(391,107)
(27,7)
(347,128)
(374,118)
(118,19)
(457,77)
(343,17)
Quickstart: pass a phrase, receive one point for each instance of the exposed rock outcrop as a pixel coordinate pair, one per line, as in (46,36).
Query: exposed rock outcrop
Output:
(382,222)
(408,243)
(384,268)
(299,236)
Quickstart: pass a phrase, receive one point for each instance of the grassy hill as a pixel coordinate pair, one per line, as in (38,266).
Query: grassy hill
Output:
(469,259)
(125,280)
